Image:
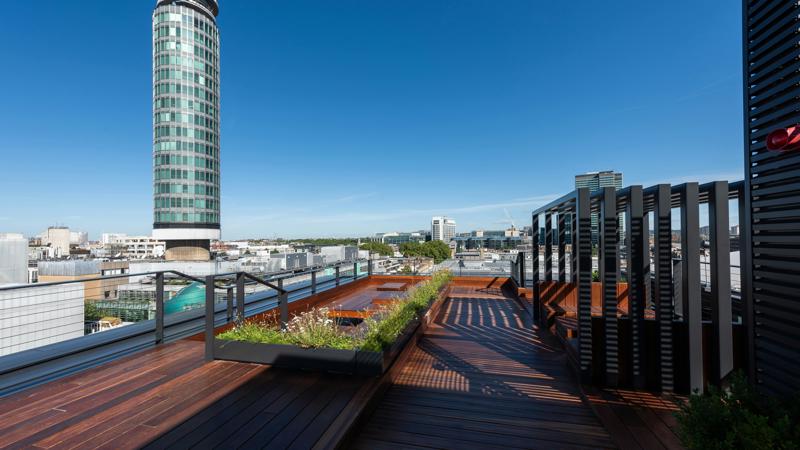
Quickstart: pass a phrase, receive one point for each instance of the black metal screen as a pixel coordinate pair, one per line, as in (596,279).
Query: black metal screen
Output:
(771,261)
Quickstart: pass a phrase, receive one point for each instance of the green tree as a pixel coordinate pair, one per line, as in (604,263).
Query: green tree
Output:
(377,247)
(90,312)
(437,250)
(411,249)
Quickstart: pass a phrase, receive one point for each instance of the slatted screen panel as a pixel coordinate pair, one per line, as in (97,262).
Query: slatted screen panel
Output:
(772,101)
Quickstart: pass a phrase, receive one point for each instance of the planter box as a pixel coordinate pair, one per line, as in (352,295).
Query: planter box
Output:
(356,362)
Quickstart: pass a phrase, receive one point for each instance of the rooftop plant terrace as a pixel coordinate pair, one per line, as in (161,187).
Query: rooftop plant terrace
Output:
(475,374)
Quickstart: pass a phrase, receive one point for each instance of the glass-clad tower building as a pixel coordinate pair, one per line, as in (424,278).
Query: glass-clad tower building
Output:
(186,169)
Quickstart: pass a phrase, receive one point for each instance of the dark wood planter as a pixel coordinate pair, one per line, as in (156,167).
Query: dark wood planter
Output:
(356,362)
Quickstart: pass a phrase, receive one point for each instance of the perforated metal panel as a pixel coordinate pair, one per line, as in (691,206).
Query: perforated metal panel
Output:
(771,261)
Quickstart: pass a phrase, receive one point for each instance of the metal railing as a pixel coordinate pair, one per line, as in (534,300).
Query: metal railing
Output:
(174,303)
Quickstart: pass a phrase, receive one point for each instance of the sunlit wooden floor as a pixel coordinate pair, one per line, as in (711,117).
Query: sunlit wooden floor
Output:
(482,378)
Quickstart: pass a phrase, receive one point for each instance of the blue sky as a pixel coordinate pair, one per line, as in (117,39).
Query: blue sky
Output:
(350,117)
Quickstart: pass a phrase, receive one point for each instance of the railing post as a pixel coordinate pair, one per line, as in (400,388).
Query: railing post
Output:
(160,308)
(209,354)
(240,297)
(691,302)
(721,314)
(369,267)
(537,306)
(283,300)
(582,244)
(337,275)
(521,263)
(562,243)
(355,270)
(663,289)
(313,281)
(229,298)
(638,277)
(607,261)
(548,246)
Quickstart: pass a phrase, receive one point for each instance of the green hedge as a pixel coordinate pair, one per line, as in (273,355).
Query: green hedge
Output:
(739,418)
(314,329)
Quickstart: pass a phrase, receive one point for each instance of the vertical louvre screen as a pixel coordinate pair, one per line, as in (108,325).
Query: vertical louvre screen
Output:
(772,255)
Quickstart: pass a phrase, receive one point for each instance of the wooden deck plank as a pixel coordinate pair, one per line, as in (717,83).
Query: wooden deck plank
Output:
(482,377)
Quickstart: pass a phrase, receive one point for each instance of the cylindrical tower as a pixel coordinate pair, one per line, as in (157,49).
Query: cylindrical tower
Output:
(186,161)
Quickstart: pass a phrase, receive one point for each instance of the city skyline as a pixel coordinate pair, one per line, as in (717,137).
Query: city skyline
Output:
(308,98)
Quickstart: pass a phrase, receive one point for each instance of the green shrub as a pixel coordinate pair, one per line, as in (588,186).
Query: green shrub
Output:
(385,327)
(738,418)
(315,329)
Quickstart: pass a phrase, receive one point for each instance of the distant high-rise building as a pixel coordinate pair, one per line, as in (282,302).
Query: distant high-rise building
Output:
(186,213)
(595,181)
(443,228)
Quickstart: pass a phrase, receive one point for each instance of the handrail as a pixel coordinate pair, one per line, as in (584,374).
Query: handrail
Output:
(272,275)
(265,283)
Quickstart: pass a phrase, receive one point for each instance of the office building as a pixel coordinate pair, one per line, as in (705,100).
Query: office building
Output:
(135,247)
(596,181)
(57,240)
(13,259)
(73,270)
(79,238)
(186,148)
(395,238)
(332,254)
(443,228)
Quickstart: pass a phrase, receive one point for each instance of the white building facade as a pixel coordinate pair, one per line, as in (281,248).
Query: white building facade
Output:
(443,228)
(37,316)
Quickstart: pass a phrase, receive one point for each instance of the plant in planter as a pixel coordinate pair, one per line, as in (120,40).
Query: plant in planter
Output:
(313,340)
(739,417)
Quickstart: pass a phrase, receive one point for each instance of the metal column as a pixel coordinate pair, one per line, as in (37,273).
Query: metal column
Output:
(160,308)
(562,243)
(240,297)
(548,246)
(690,282)
(608,262)
(209,350)
(283,303)
(721,315)
(583,241)
(537,301)
(638,266)
(663,288)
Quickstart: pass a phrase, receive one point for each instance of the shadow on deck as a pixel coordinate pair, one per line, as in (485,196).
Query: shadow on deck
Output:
(480,377)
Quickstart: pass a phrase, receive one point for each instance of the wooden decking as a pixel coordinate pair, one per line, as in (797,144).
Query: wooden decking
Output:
(480,378)
(637,420)
(168,397)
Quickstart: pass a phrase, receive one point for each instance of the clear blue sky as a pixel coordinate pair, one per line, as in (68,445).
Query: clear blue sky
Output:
(352,117)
